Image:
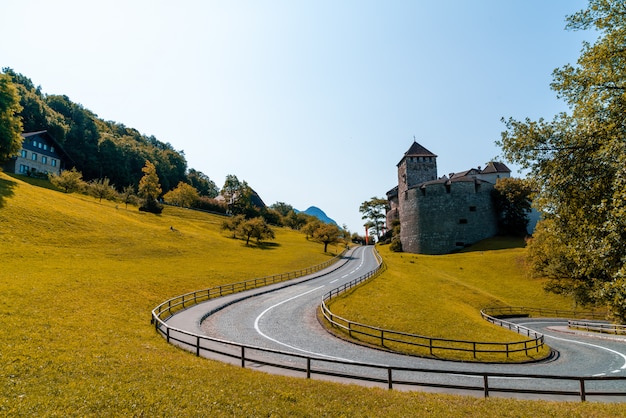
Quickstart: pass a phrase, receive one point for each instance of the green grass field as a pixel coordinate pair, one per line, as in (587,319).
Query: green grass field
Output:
(441,297)
(78,280)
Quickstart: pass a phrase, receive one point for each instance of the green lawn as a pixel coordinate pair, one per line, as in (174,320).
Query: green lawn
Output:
(78,280)
(441,296)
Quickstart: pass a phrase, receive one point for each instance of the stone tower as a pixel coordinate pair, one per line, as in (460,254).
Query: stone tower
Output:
(417,166)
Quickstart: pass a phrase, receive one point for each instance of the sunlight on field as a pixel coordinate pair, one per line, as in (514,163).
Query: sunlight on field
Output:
(78,280)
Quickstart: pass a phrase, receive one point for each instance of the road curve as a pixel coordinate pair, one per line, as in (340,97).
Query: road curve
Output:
(283,317)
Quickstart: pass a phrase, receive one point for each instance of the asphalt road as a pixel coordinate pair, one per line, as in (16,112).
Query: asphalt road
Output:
(284,319)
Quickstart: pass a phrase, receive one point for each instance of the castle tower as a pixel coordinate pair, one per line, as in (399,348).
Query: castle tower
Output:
(417,166)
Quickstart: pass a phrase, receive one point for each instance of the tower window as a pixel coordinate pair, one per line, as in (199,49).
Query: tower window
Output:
(472,208)
(462,221)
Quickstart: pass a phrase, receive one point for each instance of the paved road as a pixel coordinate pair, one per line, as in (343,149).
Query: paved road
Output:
(284,319)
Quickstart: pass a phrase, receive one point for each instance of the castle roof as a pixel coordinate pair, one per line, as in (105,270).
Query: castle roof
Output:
(416,150)
(495,167)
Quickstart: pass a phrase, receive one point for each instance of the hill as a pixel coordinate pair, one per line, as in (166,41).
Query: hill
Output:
(319,214)
(78,280)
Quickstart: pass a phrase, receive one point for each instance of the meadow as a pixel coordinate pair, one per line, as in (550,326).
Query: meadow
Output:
(78,280)
(441,297)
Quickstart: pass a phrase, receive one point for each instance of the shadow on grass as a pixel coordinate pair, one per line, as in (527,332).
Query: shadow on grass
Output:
(496,243)
(262,245)
(6,190)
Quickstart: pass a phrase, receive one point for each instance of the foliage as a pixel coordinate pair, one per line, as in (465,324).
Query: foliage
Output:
(512,200)
(202,183)
(101,189)
(99,148)
(283,208)
(232,224)
(578,164)
(128,195)
(374,212)
(184,195)
(69,180)
(150,189)
(10,122)
(255,228)
(295,220)
(326,234)
(210,205)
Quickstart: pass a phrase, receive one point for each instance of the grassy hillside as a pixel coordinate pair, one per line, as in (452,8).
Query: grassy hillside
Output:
(441,296)
(78,279)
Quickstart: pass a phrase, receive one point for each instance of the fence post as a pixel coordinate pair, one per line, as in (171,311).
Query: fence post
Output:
(583,395)
(382,337)
(389,378)
(243,357)
(198,346)
(308,367)
(167,329)
(430,345)
(474,348)
(486,385)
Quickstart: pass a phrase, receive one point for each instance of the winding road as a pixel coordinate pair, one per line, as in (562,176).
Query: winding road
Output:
(282,317)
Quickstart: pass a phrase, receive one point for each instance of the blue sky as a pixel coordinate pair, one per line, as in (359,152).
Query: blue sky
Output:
(310,102)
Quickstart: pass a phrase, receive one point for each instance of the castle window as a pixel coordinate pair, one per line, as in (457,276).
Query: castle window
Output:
(406,194)
(423,189)
(460,244)
(462,221)
(447,188)
(472,208)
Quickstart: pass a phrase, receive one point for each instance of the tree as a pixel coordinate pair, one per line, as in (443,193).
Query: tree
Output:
(128,195)
(512,199)
(202,183)
(101,189)
(326,234)
(150,189)
(10,122)
(69,180)
(375,210)
(184,195)
(232,224)
(255,228)
(577,163)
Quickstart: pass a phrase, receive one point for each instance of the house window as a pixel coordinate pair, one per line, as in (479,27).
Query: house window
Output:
(472,208)
(23,169)
(44,159)
(34,158)
(39,145)
(51,148)
(53,162)
(462,221)
(24,153)
(45,147)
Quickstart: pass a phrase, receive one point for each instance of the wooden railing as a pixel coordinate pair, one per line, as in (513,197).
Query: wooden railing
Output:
(171,306)
(276,361)
(384,337)
(601,327)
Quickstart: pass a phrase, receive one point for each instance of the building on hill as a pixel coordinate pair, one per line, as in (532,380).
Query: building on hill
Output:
(40,154)
(442,214)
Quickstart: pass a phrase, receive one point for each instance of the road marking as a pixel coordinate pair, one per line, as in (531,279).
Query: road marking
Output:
(623,356)
(335,280)
(258,330)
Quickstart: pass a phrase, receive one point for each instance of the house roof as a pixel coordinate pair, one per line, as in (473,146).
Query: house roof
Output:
(495,167)
(54,142)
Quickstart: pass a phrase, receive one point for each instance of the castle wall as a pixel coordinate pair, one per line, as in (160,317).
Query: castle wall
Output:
(439,218)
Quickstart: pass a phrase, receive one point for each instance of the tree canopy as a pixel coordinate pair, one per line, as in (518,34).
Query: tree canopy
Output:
(374,212)
(10,122)
(577,163)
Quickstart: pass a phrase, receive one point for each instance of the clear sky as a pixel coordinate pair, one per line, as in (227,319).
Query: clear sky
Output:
(310,102)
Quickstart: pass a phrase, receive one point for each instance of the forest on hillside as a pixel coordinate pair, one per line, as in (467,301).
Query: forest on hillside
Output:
(103,149)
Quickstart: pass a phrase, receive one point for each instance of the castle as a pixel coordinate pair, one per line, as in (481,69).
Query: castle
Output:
(441,215)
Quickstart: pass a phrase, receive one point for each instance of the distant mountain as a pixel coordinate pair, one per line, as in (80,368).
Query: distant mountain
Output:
(319,214)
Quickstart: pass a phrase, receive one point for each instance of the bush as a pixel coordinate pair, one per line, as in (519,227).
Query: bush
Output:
(396,245)
(152,206)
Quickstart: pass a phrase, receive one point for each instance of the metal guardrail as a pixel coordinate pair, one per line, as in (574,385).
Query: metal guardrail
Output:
(600,327)
(485,383)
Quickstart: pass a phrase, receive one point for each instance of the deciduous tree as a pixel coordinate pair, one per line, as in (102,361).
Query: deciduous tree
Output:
(375,211)
(326,234)
(69,180)
(150,189)
(578,164)
(10,122)
(184,195)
